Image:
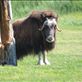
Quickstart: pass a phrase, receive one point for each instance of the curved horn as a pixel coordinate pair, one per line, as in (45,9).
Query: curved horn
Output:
(58,28)
(40,29)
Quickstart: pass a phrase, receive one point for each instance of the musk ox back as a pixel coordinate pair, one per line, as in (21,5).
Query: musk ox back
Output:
(37,33)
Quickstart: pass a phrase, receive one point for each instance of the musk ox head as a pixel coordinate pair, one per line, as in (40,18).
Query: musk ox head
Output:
(47,24)
(48,29)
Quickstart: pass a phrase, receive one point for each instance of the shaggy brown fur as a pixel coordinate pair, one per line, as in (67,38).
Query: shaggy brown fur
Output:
(27,34)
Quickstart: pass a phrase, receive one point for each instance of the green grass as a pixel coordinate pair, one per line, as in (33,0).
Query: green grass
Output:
(22,7)
(66,58)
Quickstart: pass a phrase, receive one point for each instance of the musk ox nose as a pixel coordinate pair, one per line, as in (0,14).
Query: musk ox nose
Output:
(50,39)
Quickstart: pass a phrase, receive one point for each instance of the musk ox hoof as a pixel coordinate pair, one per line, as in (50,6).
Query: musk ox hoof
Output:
(41,63)
(47,62)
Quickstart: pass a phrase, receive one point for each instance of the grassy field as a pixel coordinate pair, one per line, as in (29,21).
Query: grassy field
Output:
(66,58)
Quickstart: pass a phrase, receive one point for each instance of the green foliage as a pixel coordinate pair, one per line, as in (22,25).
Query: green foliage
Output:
(72,21)
(21,8)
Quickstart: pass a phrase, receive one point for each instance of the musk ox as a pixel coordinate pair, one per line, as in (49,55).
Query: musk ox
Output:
(37,33)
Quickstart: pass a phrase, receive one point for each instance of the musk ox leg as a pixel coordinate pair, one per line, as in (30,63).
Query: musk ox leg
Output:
(40,59)
(45,59)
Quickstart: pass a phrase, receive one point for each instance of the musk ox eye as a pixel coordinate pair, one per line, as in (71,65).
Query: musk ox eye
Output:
(55,27)
(45,27)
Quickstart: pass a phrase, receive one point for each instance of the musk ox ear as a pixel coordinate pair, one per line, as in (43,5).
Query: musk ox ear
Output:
(55,15)
(43,15)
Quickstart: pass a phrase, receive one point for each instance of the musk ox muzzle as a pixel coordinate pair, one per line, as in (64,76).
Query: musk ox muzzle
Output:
(50,39)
